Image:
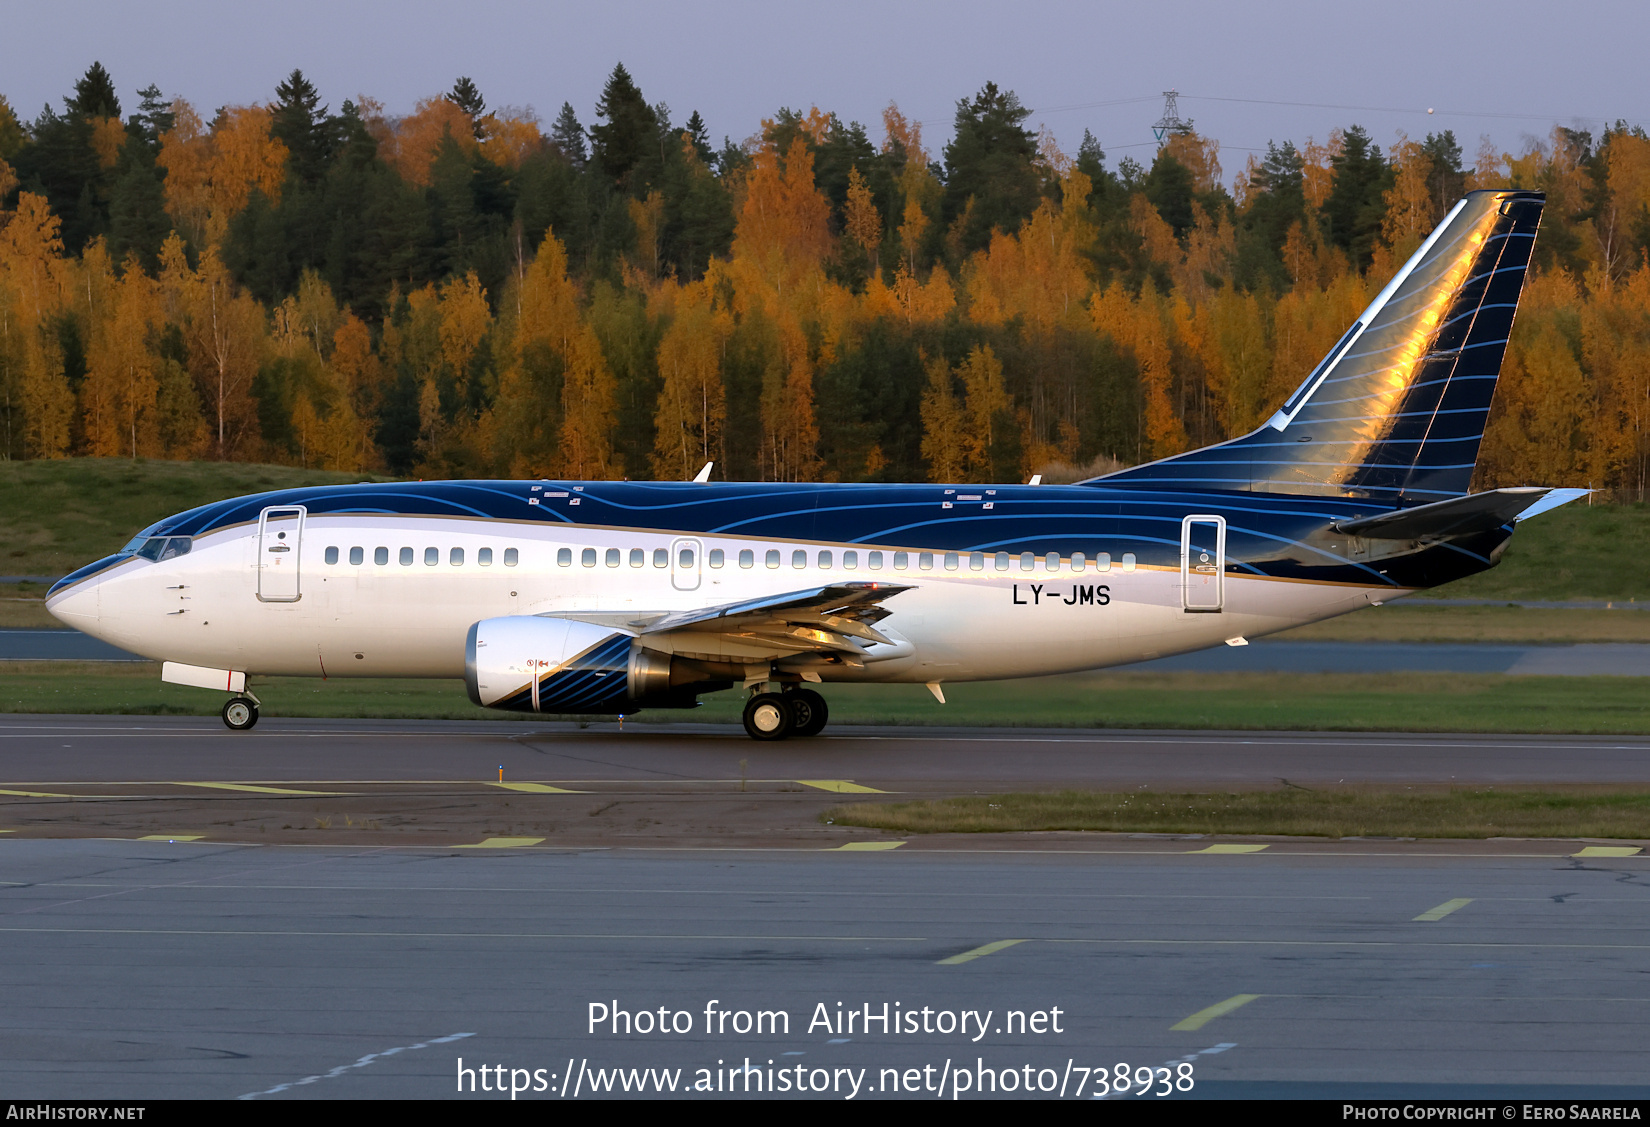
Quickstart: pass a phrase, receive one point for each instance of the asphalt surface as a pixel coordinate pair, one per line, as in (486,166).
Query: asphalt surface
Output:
(349,968)
(142,970)
(93,749)
(1583,660)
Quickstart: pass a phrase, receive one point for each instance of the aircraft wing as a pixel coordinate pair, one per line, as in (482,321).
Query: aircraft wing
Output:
(838,619)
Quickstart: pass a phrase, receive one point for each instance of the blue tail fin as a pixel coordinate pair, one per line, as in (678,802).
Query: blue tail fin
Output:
(1396,411)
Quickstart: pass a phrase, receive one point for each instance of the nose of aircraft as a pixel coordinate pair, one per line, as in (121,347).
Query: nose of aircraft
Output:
(76,606)
(73,600)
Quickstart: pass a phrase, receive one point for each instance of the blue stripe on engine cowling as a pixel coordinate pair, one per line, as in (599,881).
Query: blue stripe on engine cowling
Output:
(598,680)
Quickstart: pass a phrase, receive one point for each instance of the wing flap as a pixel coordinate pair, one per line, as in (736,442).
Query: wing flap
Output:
(838,619)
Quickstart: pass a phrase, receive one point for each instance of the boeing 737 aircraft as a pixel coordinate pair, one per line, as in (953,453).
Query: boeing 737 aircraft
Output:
(609,597)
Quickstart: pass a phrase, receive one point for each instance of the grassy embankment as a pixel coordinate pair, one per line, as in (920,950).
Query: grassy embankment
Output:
(1584,812)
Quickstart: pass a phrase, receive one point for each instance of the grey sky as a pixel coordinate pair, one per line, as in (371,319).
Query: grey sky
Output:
(737,61)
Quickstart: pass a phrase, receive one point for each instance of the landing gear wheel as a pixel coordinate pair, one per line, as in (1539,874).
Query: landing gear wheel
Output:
(240,713)
(808,712)
(768,717)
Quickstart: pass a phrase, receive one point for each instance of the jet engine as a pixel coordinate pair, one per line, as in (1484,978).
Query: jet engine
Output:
(527,663)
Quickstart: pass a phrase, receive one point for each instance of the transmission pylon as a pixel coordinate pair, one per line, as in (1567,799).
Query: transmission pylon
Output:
(1171,122)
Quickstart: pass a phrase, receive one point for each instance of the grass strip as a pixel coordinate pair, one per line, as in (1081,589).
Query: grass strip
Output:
(1391,702)
(1569,812)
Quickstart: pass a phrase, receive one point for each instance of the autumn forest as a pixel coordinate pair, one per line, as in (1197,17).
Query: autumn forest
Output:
(469,291)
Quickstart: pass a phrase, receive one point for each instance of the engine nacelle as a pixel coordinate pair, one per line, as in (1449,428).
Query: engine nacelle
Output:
(525,663)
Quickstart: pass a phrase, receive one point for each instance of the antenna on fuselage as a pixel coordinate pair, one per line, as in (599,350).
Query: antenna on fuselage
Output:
(704,474)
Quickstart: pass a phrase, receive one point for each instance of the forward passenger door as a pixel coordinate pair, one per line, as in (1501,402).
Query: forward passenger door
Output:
(280,539)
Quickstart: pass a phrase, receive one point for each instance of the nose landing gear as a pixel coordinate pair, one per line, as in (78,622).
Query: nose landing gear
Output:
(775,716)
(240,713)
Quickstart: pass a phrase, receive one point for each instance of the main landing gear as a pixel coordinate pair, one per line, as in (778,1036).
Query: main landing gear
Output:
(775,716)
(240,713)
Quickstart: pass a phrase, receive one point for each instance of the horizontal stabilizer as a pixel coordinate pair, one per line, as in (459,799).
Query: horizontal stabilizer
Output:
(1459,516)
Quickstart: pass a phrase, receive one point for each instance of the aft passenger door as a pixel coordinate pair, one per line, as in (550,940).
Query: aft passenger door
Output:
(1203,563)
(280,537)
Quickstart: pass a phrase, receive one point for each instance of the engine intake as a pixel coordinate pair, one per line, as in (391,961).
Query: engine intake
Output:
(526,663)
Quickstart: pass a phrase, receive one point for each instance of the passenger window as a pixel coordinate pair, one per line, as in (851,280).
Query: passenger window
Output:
(613,557)
(902,560)
(772,559)
(432,556)
(824,559)
(510,557)
(332,555)
(564,557)
(747,558)
(976,561)
(925,560)
(684,558)
(1052,561)
(875,560)
(1078,561)
(951,561)
(1028,562)
(661,557)
(484,557)
(716,557)
(381,556)
(638,558)
(1102,562)
(799,558)
(1128,561)
(1001,562)
(406,557)
(588,557)
(456,557)
(357,556)
(850,560)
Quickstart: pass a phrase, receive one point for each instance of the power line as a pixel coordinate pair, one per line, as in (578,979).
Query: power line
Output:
(1393,109)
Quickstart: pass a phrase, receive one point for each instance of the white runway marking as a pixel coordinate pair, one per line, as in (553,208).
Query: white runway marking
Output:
(362,1063)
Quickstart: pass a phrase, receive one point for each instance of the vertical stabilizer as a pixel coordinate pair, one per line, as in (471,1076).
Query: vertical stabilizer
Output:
(1396,411)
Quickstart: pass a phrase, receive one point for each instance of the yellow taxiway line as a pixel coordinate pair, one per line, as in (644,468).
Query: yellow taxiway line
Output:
(1442,910)
(978,952)
(1205,1016)
(839,786)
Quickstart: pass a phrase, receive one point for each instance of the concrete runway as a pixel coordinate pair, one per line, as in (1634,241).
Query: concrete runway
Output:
(152,969)
(138,970)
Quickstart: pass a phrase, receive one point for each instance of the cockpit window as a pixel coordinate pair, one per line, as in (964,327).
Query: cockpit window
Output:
(159,548)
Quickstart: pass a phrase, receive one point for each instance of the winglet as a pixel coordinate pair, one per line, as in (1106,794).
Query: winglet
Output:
(704,475)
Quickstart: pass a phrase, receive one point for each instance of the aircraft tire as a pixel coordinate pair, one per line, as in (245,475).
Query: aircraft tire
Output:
(239,713)
(808,711)
(768,716)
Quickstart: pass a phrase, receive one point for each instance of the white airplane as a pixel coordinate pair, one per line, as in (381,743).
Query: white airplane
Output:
(610,597)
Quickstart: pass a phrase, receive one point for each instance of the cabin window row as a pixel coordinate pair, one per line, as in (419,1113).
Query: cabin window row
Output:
(432,556)
(851,560)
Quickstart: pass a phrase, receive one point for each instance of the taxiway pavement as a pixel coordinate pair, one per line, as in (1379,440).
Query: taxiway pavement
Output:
(140,970)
